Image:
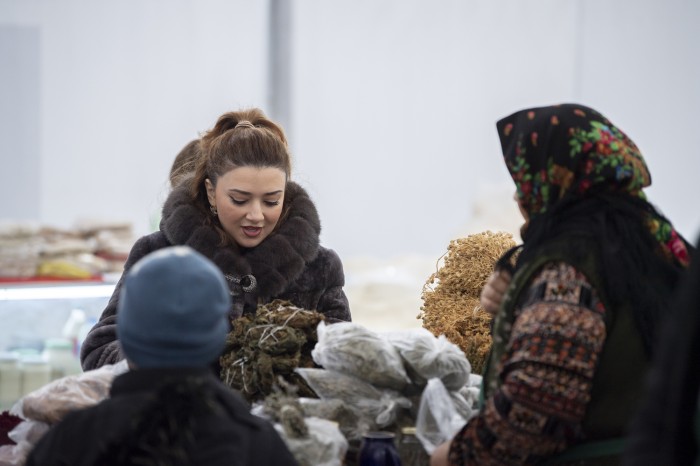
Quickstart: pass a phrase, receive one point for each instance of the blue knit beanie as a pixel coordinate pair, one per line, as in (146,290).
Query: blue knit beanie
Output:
(173,310)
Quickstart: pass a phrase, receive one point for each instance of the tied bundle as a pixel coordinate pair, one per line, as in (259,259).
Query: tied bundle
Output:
(451,295)
(270,344)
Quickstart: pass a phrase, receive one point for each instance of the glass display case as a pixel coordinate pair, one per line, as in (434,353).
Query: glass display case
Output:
(38,319)
(32,312)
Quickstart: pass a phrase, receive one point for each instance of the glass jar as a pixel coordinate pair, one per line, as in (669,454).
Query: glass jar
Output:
(61,357)
(10,380)
(411,450)
(36,373)
(378,449)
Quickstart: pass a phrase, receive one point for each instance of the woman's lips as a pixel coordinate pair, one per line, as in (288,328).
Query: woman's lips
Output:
(252,231)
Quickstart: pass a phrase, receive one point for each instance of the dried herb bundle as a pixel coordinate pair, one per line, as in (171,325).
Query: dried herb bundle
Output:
(283,406)
(272,343)
(451,295)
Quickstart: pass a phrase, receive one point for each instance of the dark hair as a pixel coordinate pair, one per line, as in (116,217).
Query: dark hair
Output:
(631,264)
(246,138)
(185,162)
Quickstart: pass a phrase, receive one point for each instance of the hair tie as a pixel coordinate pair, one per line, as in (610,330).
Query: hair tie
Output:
(244,123)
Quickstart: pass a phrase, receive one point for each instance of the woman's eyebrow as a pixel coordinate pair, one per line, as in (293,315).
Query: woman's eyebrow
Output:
(246,193)
(239,191)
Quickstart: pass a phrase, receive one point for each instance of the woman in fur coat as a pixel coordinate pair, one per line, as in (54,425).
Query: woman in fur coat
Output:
(240,209)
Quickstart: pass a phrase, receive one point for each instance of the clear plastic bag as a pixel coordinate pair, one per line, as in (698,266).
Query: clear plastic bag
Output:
(324,446)
(352,422)
(438,418)
(354,350)
(25,434)
(54,400)
(429,357)
(470,392)
(382,406)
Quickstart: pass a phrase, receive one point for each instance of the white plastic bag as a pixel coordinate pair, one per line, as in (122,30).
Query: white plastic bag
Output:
(352,422)
(54,400)
(354,350)
(25,434)
(471,391)
(382,406)
(429,356)
(438,419)
(325,445)
(14,455)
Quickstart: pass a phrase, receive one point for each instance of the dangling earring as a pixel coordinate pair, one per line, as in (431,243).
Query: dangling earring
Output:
(213,210)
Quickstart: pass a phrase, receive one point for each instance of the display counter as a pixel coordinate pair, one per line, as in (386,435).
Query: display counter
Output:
(32,311)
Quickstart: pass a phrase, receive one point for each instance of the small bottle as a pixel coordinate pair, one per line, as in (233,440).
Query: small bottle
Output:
(378,449)
(10,380)
(35,373)
(72,326)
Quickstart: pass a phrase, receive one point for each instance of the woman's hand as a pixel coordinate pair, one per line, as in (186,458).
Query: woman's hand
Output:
(440,455)
(493,291)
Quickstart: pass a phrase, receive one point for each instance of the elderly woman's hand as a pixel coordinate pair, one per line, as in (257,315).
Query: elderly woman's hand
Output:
(440,455)
(493,291)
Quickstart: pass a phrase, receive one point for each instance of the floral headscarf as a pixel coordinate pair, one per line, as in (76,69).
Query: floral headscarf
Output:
(555,151)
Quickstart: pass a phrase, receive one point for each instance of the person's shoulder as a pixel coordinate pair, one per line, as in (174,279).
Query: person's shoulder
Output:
(84,419)
(155,239)
(328,254)
(328,260)
(146,244)
(302,213)
(76,435)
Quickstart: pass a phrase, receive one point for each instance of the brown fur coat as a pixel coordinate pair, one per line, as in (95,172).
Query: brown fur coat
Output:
(290,264)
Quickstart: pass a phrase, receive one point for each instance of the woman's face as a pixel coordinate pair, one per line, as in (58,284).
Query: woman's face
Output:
(249,202)
(523,212)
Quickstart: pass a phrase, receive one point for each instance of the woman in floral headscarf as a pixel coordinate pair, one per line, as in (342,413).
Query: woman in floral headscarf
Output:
(575,331)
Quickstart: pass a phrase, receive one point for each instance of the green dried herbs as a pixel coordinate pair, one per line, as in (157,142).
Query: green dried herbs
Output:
(275,341)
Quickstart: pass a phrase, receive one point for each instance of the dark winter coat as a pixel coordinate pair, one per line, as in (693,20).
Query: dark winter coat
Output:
(213,425)
(666,429)
(290,264)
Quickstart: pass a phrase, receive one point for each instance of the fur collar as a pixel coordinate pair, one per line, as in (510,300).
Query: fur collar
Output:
(275,262)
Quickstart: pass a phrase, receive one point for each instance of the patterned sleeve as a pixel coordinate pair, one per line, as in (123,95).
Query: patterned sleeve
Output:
(546,372)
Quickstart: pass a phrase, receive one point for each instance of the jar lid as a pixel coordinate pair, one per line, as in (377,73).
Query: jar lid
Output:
(22,352)
(33,359)
(379,434)
(58,343)
(6,356)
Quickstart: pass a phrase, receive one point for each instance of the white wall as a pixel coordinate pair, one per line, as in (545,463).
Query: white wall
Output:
(124,86)
(395,107)
(393,102)
(640,63)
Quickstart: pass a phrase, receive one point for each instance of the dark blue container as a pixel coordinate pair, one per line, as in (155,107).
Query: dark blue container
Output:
(378,449)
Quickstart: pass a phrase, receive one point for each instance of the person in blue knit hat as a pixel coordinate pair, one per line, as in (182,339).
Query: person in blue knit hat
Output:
(170,408)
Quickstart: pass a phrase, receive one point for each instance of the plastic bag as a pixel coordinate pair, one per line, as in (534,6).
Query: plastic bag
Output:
(355,350)
(14,455)
(470,392)
(438,419)
(54,400)
(382,406)
(25,434)
(429,356)
(352,422)
(325,445)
